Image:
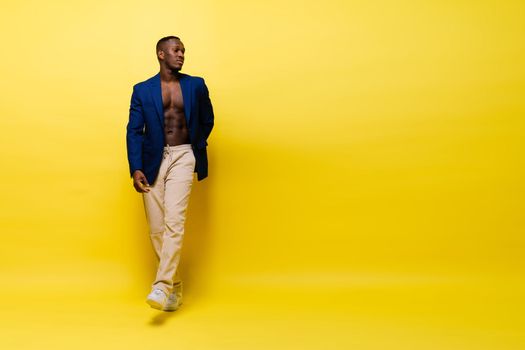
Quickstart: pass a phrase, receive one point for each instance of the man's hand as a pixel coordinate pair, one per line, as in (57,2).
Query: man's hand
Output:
(140,182)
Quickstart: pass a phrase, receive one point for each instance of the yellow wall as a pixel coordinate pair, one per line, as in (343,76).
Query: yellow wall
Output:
(351,137)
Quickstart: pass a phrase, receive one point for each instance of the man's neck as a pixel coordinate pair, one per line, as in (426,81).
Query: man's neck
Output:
(168,75)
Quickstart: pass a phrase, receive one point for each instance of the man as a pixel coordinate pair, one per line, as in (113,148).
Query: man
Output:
(170,119)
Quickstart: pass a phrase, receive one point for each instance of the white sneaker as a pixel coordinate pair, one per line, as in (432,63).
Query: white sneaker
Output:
(173,303)
(157,299)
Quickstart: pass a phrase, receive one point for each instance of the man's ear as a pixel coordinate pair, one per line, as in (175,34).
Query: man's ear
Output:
(160,54)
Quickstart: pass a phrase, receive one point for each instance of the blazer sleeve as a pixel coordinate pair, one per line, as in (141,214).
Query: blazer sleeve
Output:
(206,112)
(135,133)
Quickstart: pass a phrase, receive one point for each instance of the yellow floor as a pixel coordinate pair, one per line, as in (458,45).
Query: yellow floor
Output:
(354,311)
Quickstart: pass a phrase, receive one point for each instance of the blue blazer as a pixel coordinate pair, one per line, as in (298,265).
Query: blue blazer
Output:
(145,129)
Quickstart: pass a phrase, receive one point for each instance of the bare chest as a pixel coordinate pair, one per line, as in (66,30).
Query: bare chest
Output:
(172,96)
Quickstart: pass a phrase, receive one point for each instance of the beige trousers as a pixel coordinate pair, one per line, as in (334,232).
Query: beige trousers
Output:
(165,205)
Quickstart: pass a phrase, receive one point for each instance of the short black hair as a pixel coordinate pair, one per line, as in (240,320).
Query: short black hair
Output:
(163,40)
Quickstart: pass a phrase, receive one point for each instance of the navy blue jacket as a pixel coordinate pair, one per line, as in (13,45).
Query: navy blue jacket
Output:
(145,129)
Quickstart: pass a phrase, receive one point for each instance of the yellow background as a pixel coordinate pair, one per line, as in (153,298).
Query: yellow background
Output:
(365,189)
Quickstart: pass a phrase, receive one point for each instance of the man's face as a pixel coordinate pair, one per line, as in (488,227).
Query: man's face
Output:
(173,54)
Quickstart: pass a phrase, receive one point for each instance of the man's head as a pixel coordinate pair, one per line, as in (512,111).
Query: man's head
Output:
(170,52)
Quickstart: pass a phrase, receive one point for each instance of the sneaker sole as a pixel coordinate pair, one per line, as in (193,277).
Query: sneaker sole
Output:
(170,309)
(154,304)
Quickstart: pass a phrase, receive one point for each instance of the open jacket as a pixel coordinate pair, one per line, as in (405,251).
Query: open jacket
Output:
(145,129)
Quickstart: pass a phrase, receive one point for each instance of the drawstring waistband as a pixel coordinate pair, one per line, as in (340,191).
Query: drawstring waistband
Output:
(170,149)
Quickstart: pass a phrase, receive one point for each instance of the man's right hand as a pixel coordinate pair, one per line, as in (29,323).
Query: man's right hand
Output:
(140,182)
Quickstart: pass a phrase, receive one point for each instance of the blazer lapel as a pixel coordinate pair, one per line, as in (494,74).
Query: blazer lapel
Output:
(186,96)
(156,93)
